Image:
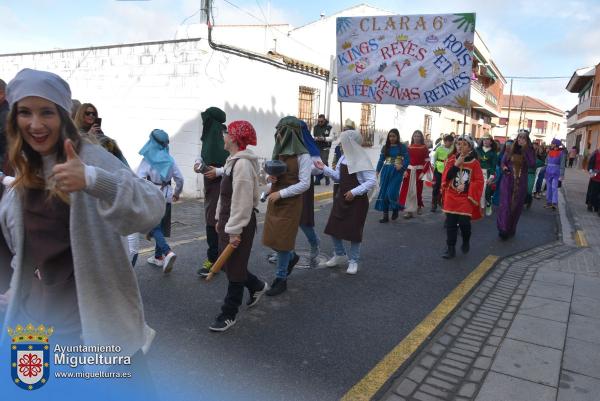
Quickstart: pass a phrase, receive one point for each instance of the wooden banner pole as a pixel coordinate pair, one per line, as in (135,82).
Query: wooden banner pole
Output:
(468,108)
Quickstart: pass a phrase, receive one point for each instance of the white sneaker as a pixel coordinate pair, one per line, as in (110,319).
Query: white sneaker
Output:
(168,262)
(352,267)
(488,210)
(156,262)
(336,260)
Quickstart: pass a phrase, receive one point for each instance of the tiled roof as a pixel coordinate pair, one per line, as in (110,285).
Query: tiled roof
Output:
(299,64)
(529,103)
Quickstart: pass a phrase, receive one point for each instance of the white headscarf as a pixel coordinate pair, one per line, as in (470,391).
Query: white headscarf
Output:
(42,84)
(356,157)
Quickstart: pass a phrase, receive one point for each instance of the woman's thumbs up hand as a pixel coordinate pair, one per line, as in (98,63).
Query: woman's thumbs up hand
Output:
(70,175)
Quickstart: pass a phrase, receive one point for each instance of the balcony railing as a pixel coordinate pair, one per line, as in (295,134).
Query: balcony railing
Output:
(591,103)
(489,96)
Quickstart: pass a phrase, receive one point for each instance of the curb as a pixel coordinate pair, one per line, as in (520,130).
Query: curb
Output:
(455,361)
(379,379)
(567,221)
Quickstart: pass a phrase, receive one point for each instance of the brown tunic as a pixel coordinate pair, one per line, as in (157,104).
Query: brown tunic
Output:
(283,217)
(211,197)
(52,299)
(347,219)
(236,266)
(308,206)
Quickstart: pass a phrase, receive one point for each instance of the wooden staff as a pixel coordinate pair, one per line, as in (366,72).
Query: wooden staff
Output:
(220,261)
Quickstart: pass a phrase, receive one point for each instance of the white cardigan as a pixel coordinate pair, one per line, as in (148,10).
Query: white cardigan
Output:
(118,204)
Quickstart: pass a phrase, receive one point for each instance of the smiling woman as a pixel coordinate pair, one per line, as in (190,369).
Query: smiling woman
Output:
(39,121)
(67,192)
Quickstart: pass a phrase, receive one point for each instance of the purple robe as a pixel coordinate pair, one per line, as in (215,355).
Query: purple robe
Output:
(512,197)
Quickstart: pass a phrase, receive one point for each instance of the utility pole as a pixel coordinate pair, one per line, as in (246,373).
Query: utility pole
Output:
(521,112)
(205,7)
(509,106)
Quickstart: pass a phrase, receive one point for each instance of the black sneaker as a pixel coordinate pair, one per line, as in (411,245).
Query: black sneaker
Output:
(292,263)
(256,295)
(465,247)
(450,252)
(204,269)
(279,285)
(395,214)
(222,323)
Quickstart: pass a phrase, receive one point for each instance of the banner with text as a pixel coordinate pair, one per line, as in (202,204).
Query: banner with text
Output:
(405,59)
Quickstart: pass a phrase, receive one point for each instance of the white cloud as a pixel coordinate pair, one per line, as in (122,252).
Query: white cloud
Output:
(577,11)
(127,22)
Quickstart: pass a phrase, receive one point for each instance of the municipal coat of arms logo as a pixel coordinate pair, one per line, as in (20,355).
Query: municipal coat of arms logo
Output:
(30,355)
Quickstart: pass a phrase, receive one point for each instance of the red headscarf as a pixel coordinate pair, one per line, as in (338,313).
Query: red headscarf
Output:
(243,133)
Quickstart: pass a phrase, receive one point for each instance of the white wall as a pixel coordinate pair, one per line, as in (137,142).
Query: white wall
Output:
(167,86)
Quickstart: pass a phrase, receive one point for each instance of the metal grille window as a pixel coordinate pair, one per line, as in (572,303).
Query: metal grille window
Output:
(308,105)
(367,123)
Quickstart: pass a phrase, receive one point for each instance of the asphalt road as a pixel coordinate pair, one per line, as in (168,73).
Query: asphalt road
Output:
(318,339)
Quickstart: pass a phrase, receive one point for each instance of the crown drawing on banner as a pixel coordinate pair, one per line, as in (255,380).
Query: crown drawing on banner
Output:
(402,38)
(439,51)
(30,333)
(346,45)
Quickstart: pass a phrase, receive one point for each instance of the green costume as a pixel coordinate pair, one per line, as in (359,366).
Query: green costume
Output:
(291,138)
(441,154)
(213,152)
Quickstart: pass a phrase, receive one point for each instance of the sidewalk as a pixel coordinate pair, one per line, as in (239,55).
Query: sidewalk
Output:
(531,329)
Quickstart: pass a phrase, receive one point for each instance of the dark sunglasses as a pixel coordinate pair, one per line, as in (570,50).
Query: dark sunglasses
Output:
(91,113)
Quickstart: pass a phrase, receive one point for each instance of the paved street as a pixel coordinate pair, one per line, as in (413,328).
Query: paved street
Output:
(529,331)
(328,330)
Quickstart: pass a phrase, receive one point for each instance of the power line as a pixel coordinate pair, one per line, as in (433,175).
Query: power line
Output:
(536,77)
(244,11)
(311,48)
(262,12)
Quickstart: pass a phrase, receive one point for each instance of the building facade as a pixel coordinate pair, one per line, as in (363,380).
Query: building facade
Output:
(544,121)
(584,119)
(270,71)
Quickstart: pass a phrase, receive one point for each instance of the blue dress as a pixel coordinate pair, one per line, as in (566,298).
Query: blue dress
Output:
(390,179)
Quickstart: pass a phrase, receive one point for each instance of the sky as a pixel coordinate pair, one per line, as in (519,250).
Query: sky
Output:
(526,38)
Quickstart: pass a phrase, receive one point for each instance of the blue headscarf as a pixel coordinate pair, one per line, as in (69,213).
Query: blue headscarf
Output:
(156,152)
(309,141)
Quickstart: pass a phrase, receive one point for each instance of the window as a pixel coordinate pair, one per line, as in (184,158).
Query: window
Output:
(308,105)
(503,121)
(427,125)
(540,127)
(367,123)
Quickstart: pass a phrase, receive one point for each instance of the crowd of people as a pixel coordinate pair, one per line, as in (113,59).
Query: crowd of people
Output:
(65,182)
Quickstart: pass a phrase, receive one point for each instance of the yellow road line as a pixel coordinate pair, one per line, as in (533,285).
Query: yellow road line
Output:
(366,388)
(174,244)
(323,195)
(580,239)
(181,242)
